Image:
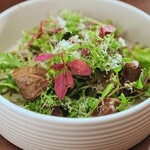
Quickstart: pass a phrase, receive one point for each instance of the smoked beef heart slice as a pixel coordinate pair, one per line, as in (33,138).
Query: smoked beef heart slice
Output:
(107,107)
(31,81)
(131,71)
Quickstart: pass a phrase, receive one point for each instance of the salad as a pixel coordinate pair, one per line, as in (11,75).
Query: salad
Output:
(71,65)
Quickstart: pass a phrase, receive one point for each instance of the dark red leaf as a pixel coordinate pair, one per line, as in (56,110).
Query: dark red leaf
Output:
(36,35)
(32,39)
(85,51)
(60,86)
(106,29)
(56,30)
(41,31)
(69,79)
(57,66)
(44,57)
(79,67)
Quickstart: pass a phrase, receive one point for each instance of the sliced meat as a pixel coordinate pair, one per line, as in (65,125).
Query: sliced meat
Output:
(107,107)
(57,111)
(99,80)
(131,71)
(30,70)
(31,81)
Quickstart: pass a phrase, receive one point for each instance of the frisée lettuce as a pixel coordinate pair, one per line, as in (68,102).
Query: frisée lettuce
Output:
(71,65)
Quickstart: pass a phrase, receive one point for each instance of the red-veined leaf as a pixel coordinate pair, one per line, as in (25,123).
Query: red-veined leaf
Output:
(69,79)
(44,57)
(106,29)
(56,30)
(41,31)
(60,86)
(36,35)
(85,51)
(32,39)
(57,66)
(79,67)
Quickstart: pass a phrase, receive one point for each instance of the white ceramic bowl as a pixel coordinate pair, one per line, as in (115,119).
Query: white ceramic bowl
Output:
(32,131)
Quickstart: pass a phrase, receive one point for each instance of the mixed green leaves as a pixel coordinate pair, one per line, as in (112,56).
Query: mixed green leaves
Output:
(143,56)
(124,102)
(9,61)
(7,83)
(84,59)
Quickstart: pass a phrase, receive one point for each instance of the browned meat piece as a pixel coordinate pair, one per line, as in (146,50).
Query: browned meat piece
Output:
(131,71)
(107,107)
(57,111)
(99,80)
(31,81)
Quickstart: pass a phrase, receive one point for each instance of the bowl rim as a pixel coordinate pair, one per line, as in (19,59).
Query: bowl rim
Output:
(35,115)
(65,120)
(117,2)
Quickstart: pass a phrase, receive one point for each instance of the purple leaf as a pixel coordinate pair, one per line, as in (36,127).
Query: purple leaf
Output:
(69,79)
(60,86)
(36,35)
(106,29)
(85,52)
(44,57)
(56,30)
(79,67)
(57,66)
